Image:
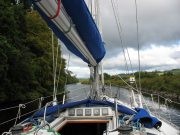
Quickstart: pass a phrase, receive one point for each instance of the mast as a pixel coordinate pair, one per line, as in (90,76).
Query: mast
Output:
(95,11)
(100,31)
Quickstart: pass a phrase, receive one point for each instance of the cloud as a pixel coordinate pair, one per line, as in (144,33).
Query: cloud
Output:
(158,23)
(159,37)
(153,58)
(81,72)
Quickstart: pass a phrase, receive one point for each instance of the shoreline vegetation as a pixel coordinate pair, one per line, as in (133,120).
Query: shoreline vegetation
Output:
(26,66)
(166,84)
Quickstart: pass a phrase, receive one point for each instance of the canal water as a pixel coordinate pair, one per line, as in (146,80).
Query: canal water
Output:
(169,111)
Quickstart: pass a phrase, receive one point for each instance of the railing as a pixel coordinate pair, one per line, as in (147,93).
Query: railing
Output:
(154,107)
(40,100)
(160,107)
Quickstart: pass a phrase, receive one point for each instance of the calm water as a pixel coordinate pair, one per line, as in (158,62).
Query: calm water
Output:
(79,92)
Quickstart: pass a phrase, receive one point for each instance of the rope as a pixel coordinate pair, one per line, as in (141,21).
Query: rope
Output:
(52,130)
(32,123)
(30,127)
(40,102)
(6,133)
(57,13)
(19,112)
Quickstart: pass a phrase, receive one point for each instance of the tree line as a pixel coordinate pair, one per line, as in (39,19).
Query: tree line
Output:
(160,82)
(26,58)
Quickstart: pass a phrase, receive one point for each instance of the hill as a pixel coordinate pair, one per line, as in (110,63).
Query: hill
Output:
(176,71)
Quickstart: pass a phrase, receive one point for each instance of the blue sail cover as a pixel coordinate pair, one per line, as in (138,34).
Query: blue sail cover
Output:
(88,102)
(145,118)
(141,113)
(85,26)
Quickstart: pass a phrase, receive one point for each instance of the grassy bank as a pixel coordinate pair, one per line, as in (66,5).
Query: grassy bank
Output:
(167,84)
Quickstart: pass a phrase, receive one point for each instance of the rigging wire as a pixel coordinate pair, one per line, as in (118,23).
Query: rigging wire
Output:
(119,33)
(21,116)
(67,73)
(138,48)
(122,79)
(59,72)
(61,56)
(53,62)
(129,85)
(125,43)
(117,13)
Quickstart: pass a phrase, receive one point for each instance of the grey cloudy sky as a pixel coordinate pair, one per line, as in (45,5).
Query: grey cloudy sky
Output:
(159,36)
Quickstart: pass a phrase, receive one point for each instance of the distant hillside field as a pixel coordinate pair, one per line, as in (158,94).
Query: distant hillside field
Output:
(176,71)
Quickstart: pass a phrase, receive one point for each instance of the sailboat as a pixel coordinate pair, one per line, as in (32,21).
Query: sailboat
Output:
(99,114)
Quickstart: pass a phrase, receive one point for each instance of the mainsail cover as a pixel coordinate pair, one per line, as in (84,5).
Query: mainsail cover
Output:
(85,27)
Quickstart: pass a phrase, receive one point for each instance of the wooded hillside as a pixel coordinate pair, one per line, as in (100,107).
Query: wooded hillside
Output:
(26,58)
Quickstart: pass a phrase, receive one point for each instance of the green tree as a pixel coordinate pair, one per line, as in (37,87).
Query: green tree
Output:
(39,40)
(17,75)
(107,76)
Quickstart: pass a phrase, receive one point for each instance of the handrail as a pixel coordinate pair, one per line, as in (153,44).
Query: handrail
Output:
(46,109)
